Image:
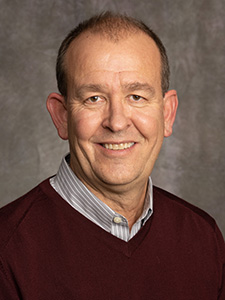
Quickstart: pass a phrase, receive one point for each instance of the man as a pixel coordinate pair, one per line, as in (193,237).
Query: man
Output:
(99,229)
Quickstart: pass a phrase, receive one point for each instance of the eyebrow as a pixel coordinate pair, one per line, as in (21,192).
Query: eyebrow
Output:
(79,91)
(131,87)
(137,86)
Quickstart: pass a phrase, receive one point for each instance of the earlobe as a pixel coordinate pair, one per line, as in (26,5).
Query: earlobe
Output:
(56,106)
(170,109)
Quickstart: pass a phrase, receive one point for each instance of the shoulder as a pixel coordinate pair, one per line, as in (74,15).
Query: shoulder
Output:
(181,209)
(185,222)
(13,214)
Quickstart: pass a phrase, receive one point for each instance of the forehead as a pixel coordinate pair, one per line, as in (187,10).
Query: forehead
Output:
(91,54)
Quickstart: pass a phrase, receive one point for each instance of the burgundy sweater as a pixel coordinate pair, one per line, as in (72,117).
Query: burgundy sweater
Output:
(49,251)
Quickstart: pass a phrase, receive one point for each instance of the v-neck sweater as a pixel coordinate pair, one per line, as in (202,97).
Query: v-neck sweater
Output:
(72,190)
(48,250)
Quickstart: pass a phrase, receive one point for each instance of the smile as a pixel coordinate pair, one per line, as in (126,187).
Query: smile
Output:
(121,146)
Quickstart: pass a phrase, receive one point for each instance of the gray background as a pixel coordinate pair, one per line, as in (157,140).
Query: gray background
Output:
(192,162)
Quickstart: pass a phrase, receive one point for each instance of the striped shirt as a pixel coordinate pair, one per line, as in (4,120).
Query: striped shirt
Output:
(71,189)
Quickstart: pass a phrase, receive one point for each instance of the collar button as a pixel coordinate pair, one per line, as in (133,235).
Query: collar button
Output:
(117,220)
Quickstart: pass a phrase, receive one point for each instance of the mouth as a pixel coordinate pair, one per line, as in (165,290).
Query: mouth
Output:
(120,146)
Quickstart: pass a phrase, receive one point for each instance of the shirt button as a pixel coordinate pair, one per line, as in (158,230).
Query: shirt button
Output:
(117,220)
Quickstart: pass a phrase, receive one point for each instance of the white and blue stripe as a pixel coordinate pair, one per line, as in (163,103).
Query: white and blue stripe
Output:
(71,189)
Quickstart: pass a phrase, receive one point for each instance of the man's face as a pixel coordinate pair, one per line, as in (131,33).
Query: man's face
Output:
(115,109)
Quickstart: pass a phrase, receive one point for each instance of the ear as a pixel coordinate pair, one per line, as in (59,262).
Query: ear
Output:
(170,107)
(56,106)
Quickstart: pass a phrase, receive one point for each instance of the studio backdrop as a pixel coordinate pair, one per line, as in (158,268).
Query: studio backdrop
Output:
(192,161)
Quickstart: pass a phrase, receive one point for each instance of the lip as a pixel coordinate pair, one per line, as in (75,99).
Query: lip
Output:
(117,146)
(116,151)
(115,142)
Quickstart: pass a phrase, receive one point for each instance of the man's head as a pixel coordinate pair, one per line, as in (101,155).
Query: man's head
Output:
(112,108)
(113,27)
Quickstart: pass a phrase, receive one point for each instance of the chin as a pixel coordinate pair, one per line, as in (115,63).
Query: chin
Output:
(117,179)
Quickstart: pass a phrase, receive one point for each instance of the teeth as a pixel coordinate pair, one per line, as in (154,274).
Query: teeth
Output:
(118,146)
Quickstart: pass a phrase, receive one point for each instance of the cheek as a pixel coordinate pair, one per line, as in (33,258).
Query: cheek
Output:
(82,125)
(150,123)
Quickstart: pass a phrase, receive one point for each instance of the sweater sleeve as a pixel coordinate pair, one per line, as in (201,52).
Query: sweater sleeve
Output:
(221,247)
(222,290)
(7,291)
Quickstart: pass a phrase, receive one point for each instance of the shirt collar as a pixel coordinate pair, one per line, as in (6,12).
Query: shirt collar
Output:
(67,184)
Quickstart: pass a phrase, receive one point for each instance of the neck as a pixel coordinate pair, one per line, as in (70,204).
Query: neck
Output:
(128,202)
(126,199)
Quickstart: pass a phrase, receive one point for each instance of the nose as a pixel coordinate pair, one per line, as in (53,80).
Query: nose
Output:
(117,116)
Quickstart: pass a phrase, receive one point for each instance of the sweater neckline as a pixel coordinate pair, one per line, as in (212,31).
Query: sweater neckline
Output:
(125,248)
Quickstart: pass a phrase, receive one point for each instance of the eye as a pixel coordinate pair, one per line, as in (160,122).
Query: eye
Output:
(136,98)
(94,99)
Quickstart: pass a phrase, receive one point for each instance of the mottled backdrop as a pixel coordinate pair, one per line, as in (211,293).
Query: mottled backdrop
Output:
(192,162)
